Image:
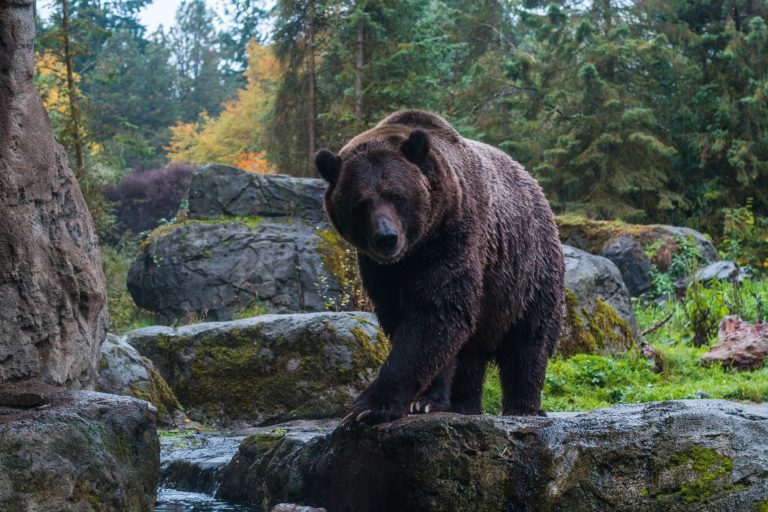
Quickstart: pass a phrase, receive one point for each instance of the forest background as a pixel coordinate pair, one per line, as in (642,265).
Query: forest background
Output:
(643,111)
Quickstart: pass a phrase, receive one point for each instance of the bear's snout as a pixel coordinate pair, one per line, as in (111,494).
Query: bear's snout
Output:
(385,234)
(385,239)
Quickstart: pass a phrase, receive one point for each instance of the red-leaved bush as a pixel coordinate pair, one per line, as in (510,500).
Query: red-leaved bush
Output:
(143,198)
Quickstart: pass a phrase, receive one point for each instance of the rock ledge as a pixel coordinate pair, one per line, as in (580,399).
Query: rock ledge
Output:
(665,456)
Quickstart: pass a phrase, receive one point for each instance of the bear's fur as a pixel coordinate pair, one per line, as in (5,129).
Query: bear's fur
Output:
(459,253)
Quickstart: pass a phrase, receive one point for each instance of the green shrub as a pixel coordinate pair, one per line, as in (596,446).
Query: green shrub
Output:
(124,314)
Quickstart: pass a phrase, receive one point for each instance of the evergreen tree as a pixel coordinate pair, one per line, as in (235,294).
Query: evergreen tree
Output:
(194,44)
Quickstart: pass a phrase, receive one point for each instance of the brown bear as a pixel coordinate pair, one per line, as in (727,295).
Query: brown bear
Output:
(459,253)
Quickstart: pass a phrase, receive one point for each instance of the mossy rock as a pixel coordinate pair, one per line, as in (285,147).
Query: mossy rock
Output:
(678,456)
(638,250)
(83,452)
(592,235)
(123,371)
(267,369)
(598,313)
(597,331)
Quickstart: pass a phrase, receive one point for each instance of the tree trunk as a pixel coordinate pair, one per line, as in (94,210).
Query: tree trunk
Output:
(74,113)
(311,145)
(359,61)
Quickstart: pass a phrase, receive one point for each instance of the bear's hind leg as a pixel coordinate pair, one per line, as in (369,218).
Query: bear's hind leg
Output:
(467,388)
(437,396)
(522,360)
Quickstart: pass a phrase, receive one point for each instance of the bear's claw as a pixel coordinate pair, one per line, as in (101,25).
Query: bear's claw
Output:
(423,406)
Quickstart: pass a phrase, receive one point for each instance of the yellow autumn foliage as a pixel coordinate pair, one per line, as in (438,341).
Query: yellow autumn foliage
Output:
(236,136)
(51,82)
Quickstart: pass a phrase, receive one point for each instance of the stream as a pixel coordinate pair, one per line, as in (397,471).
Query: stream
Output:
(191,463)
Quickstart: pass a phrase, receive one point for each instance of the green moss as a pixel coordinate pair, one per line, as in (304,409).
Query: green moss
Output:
(339,259)
(591,235)
(711,471)
(251,310)
(369,351)
(610,331)
(576,339)
(158,393)
(82,492)
(245,374)
(760,506)
(166,229)
(263,443)
(601,331)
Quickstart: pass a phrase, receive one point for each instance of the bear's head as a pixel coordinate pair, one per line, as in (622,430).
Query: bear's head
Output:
(379,194)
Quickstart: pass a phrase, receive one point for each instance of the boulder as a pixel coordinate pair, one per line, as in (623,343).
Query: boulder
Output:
(213,270)
(220,191)
(123,371)
(666,456)
(634,247)
(598,313)
(78,452)
(627,254)
(742,346)
(53,297)
(250,241)
(267,369)
(717,271)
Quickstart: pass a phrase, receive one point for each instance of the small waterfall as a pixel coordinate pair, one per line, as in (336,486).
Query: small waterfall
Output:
(191,463)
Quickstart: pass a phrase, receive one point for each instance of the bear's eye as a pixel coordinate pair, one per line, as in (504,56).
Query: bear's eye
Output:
(394,197)
(361,205)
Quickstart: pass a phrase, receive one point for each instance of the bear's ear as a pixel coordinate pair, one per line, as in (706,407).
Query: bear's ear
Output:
(328,165)
(416,147)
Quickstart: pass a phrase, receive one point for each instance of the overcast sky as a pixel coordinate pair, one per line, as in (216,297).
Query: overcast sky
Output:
(160,12)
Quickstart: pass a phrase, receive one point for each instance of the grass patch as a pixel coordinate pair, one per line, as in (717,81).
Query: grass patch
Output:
(585,382)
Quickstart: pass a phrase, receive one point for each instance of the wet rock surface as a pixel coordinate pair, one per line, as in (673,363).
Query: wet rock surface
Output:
(79,451)
(52,292)
(666,456)
(718,271)
(267,369)
(192,461)
(599,316)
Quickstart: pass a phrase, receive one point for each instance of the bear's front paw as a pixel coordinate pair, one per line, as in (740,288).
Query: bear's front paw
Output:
(372,413)
(426,404)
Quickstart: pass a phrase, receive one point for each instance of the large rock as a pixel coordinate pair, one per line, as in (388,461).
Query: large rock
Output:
(598,312)
(269,368)
(213,270)
(667,456)
(78,452)
(123,371)
(634,247)
(219,191)
(52,292)
(250,241)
